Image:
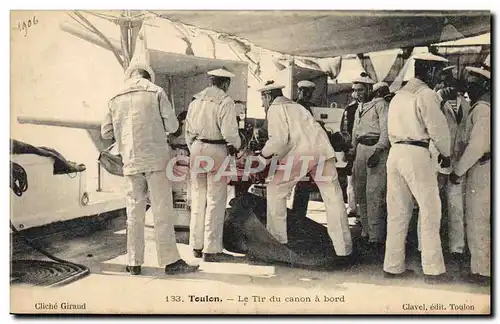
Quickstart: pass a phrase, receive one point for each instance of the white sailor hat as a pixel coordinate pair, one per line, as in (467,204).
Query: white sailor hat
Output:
(363,78)
(221,73)
(270,85)
(429,57)
(306,84)
(380,85)
(484,70)
(140,66)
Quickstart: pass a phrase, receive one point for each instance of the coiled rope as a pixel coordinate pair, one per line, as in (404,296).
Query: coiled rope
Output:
(18,179)
(36,271)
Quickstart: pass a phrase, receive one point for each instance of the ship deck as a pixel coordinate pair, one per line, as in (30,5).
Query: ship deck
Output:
(101,246)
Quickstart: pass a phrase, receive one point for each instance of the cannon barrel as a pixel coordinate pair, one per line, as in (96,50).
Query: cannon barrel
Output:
(93,128)
(47,121)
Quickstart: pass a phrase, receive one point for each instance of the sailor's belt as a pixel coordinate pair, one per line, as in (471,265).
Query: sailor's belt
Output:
(210,141)
(423,144)
(485,158)
(179,146)
(368,140)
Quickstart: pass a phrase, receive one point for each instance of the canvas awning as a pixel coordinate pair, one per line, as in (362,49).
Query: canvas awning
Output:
(334,33)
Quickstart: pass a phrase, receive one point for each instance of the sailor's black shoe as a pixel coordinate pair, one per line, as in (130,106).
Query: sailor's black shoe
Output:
(458,260)
(197,253)
(218,257)
(477,279)
(178,267)
(352,214)
(255,261)
(134,270)
(443,278)
(407,273)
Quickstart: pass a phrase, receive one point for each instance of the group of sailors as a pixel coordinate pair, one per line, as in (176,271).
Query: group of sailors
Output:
(424,144)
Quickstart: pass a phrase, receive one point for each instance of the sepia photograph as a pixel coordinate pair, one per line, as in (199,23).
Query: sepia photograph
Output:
(250,162)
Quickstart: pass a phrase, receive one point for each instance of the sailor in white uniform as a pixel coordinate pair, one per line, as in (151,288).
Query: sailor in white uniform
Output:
(456,109)
(474,169)
(211,132)
(371,146)
(293,136)
(414,120)
(139,118)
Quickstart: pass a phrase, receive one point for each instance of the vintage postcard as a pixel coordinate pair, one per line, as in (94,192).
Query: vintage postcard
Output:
(250,162)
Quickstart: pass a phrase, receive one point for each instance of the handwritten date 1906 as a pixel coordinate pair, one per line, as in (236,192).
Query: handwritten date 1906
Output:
(24,25)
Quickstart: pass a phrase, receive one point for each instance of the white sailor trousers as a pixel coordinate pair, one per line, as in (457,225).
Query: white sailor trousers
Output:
(477,217)
(455,198)
(160,193)
(208,200)
(411,172)
(453,195)
(351,195)
(326,178)
(371,191)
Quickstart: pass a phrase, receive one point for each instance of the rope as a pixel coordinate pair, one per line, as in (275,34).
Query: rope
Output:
(110,18)
(79,22)
(37,247)
(245,143)
(19,184)
(18,179)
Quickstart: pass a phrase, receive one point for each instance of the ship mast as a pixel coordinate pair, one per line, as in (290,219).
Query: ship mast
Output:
(129,22)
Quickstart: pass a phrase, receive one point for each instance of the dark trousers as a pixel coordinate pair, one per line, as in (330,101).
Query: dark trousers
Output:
(301,198)
(303,190)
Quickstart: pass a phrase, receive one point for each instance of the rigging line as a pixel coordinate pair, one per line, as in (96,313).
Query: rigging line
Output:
(184,36)
(107,17)
(188,29)
(175,25)
(104,38)
(182,32)
(160,15)
(79,22)
(180,27)
(128,17)
(140,15)
(103,14)
(111,20)
(152,14)
(213,45)
(176,21)
(125,42)
(238,56)
(155,14)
